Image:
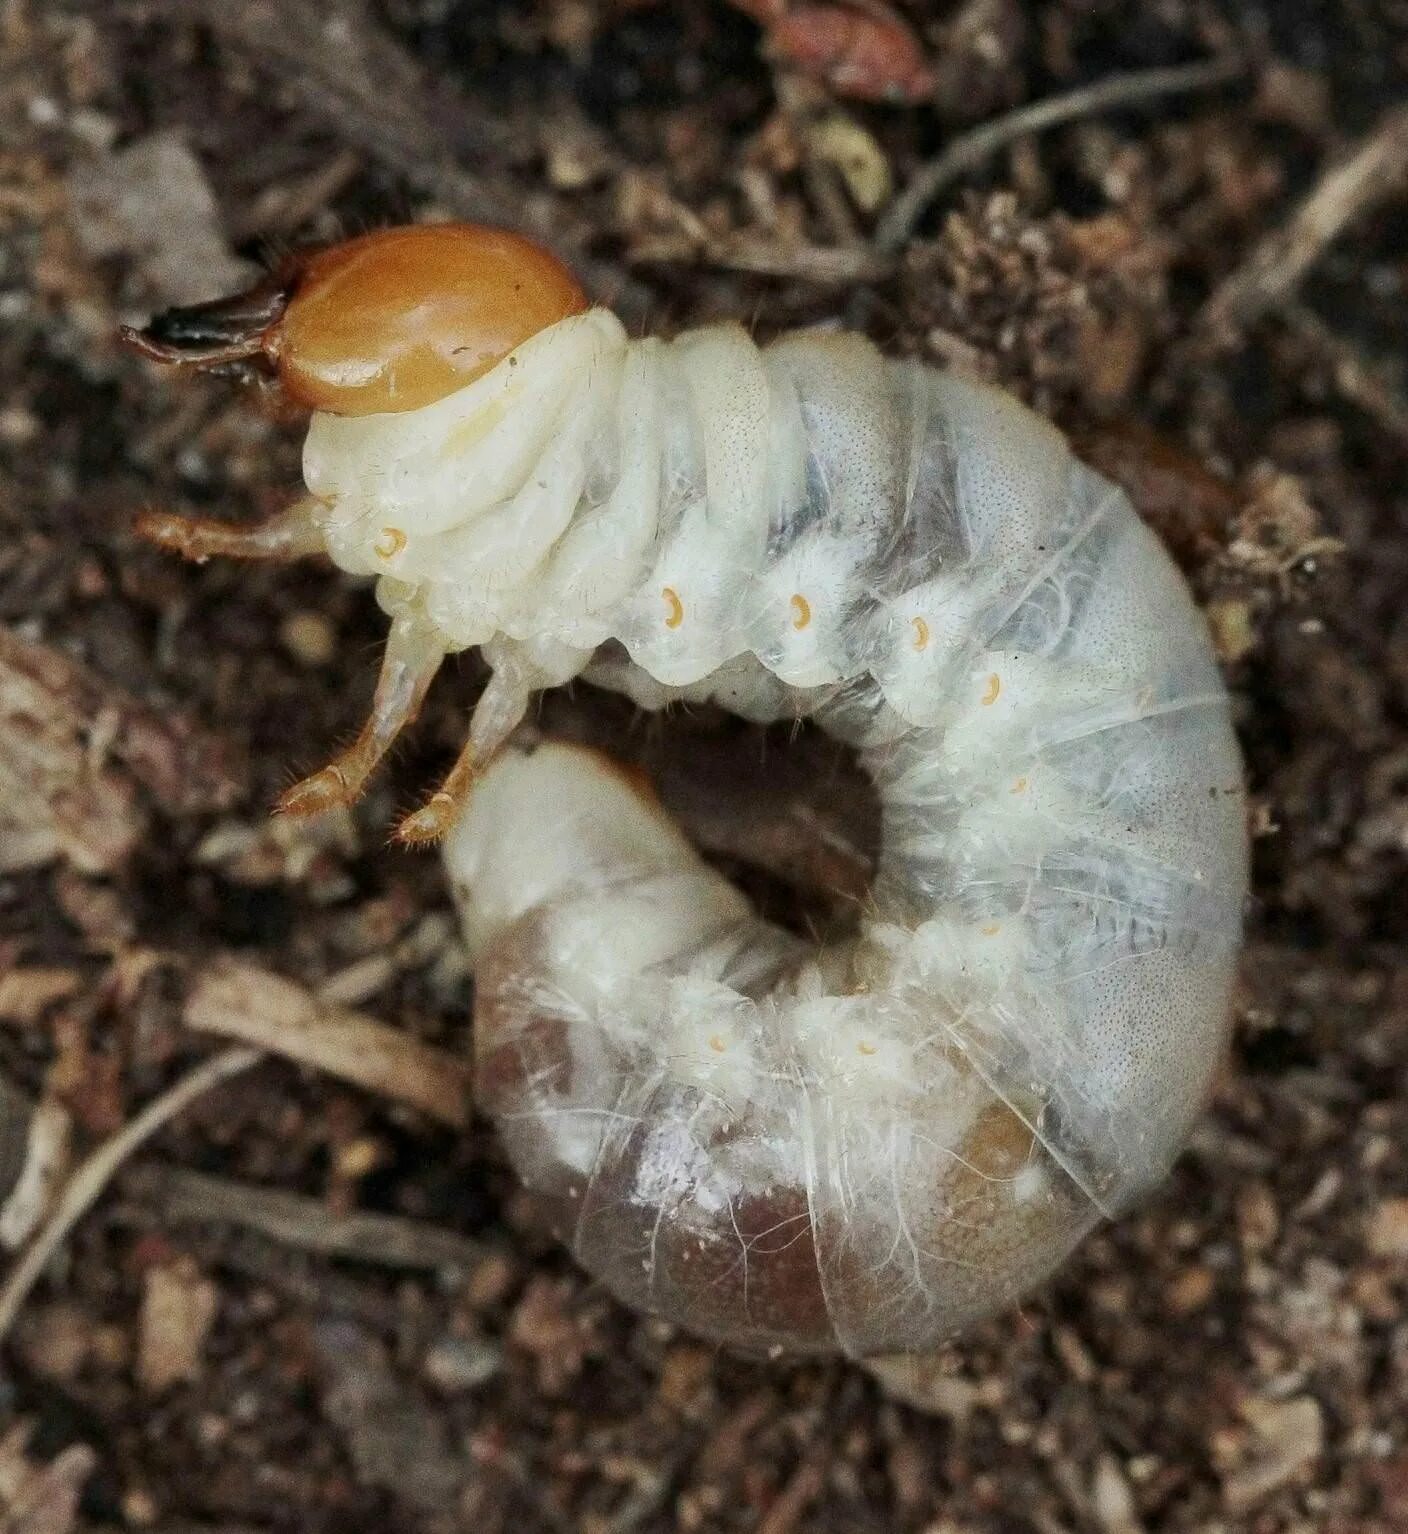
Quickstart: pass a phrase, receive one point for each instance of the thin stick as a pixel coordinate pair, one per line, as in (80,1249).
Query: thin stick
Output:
(969,150)
(296,1220)
(1356,379)
(306,1281)
(88,1181)
(824,265)
(241,1001)
(1373,170)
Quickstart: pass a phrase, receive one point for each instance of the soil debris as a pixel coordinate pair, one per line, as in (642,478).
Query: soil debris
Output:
(40,1498)
(151,204)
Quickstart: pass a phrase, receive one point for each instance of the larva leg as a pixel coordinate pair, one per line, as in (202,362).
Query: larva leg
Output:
(289,534)
(414,651)
(497,715)
(435,817)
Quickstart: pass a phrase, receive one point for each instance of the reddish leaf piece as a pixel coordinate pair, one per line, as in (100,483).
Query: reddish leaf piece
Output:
(861,49)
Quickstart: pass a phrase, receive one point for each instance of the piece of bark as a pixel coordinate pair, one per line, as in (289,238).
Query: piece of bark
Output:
(242,1001)
(82,763)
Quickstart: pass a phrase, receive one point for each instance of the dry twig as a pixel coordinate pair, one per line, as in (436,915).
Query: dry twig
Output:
(1357,380)
(1375,168)
(295,1220)
(242,1001)
(824,265)
(967,152)
(87,1183)
(307,1282)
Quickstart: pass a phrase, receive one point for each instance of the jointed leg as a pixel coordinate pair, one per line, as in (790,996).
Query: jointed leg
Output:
(435,817)
(414,651)
(288,534)
(497,715)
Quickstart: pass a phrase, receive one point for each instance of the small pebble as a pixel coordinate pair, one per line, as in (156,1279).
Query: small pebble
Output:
(455,1364)
(309,638)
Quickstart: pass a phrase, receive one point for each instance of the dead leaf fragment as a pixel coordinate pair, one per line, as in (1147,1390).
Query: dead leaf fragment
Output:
(40,1499)
(74,753)
(151,202)
(1287,1436)
(841,141)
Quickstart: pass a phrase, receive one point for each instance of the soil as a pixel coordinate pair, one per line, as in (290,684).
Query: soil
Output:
(1233,1356)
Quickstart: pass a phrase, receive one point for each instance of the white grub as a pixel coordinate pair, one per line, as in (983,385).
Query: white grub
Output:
(867,1147)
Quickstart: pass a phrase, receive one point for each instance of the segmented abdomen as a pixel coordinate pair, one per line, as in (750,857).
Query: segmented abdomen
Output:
(867,1146)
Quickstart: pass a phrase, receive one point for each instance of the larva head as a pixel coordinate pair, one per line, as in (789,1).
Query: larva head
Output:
(387,322)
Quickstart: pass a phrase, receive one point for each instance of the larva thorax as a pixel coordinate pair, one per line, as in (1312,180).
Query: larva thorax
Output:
(869,1144)
(595,489)
(706,500)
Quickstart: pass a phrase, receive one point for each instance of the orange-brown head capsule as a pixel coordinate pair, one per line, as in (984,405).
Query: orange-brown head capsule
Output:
(401,318)
(386,322)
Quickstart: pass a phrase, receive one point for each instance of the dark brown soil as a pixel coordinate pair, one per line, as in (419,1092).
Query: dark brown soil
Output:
(1233,1357)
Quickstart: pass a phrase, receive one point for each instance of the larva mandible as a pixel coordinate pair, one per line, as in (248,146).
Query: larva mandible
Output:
(861,1147)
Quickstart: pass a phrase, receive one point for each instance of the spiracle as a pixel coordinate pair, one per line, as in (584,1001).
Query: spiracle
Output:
(864,1145)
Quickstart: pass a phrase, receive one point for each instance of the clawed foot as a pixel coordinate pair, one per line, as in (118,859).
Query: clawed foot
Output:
(414,651)
(435,817)
(328,789)
(430,823)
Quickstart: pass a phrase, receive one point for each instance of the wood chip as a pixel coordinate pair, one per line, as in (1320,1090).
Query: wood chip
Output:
(1387,1234)
(1288,1435)
(178,1308)
(927,1382)
(1111,1500)
(48,1144)
(396,1439)
(26,994)
(241,1001)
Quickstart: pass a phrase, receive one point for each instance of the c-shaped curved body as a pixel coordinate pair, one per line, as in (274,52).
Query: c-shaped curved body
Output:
(863,1147)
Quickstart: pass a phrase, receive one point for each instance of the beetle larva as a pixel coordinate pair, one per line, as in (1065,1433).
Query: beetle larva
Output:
(864,1146)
